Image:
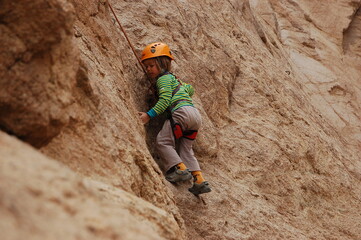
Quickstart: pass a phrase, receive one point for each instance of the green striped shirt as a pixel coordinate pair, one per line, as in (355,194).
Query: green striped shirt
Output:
(166,84)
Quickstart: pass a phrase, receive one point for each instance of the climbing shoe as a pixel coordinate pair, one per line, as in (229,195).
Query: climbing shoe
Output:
(199,188)
(179,175)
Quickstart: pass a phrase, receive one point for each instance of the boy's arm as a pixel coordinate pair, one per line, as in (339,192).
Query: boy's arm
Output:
(188,88)
(165,96)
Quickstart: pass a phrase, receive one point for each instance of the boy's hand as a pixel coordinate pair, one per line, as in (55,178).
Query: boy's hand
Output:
(144,117)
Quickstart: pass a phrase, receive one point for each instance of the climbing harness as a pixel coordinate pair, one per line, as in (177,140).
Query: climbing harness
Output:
(126,36)
(176,127)
(178,132)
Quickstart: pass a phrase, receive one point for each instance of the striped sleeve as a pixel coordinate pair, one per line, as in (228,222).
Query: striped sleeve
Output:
(188,88)
(165,96)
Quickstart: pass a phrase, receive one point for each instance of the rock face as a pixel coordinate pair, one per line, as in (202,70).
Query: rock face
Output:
(278,86)
(46,200)
(39,61)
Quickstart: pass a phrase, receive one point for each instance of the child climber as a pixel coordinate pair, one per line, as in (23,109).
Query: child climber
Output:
(183,123)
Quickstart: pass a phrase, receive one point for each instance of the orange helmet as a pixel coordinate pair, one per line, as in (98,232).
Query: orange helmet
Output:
(156,49)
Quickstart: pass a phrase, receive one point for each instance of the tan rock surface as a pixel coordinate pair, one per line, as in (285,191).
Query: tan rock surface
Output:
(39,58)
(278,86)
(43,199)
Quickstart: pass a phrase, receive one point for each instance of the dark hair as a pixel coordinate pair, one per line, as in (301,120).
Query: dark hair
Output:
(164,63)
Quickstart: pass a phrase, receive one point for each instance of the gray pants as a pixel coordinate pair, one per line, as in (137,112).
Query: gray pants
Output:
(190,119)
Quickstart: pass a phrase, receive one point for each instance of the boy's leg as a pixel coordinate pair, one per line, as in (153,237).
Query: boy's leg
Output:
(165,144)
(200,185)
(186,153)
(190,119)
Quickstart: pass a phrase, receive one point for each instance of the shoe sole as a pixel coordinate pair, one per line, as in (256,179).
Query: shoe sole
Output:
(180,179)
(200,191)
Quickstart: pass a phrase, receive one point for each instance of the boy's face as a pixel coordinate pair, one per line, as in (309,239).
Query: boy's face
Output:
(151,67)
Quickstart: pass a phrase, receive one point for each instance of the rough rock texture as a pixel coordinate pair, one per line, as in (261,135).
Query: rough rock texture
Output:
(278,86)
(42,199)
(38,64)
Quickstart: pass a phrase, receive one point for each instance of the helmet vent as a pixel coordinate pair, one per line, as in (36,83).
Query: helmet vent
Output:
(156,49)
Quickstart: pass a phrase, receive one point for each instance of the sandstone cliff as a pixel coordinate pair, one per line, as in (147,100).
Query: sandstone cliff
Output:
(278,85)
